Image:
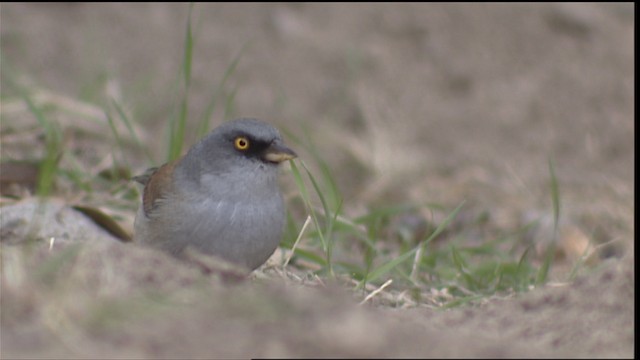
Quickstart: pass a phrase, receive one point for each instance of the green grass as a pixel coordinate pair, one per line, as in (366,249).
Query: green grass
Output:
(469,271)
(53,148)
(543,272)
(178,123)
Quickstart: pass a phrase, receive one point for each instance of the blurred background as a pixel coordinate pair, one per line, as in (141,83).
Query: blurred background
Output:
(404,102)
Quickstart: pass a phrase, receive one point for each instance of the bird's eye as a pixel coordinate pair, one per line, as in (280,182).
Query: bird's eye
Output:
(241,143)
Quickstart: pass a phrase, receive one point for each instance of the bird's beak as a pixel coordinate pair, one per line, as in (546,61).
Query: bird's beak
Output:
(277,152)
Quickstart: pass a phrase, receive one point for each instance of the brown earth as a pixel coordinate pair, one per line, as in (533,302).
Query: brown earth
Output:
(423,102)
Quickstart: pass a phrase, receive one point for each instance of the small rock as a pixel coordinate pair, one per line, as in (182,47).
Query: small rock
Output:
(47,219)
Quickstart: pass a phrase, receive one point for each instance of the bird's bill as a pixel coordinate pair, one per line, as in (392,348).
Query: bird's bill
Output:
(277,153)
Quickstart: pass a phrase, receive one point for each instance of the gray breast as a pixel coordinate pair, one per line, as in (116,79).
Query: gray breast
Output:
(246,233)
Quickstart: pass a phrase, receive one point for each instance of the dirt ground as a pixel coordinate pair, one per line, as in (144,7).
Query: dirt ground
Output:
(422,102)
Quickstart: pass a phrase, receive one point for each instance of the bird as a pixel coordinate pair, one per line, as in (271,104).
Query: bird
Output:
(221,198)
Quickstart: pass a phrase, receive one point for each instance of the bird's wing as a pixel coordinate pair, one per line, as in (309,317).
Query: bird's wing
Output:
(144,178)
(157,182)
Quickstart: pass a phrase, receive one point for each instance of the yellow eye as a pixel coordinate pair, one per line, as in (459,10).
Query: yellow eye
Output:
(241,143)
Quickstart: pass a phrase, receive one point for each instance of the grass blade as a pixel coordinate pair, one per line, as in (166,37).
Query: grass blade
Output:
(297,176)
(390,265)
(543,272)
(178,124)
(386,267)
(127,122)
(53,139)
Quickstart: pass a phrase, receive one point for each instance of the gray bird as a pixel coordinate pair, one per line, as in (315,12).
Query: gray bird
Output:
(221,198)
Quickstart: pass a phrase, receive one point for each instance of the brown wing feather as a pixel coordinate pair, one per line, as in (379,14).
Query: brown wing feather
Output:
(144,178)
(157,185)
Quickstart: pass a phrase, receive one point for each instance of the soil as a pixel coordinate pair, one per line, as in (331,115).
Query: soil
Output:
(405,102)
